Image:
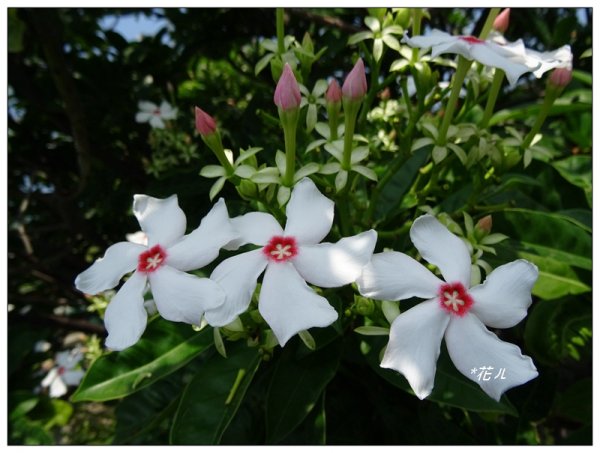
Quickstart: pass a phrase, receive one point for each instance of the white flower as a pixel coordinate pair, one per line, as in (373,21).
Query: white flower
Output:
(154,114)
(64,373)
(291,257)
(163,263)
(452,311)
(511,59)
(540,61)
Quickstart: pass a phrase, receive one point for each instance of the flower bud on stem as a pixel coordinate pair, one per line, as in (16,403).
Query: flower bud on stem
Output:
(287,99)
(353,93)
(206,126)
(333,99)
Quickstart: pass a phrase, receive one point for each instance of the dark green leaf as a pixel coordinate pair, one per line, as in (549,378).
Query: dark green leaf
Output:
(164,348)
(578,171)
(576,403)
(296,386)
(213,396)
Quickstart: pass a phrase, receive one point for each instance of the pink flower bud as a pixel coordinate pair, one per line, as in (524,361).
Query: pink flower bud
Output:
(355,85)
(334,92)
(485,224)
(502,20)
(561,77)
(287,93)
(205,124)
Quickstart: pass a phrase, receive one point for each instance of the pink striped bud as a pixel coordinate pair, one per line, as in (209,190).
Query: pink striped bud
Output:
(561,77)
(205,124)
(502,20)
(334,92)
(355,85)
(287,93)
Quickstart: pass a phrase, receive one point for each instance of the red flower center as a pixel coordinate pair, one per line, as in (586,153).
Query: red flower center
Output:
(455,299)
(156,112)
(472,39)
(61,370)
(281,248)
(151,259)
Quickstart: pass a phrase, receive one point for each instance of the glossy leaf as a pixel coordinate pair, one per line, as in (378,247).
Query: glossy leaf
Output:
(296,386)
(213,396)
(164,348)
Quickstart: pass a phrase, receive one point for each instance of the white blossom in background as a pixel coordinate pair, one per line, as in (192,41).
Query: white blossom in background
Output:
(163,264)
(66,372)
(290,257)
(154,114)
(453,311)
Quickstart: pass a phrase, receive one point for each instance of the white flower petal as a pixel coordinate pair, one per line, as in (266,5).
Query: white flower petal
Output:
(57,388)
(414,346)
(491,54)
(143,117)
(471,346)
(106,272)
(73,377)
(50,377)
(503,299)
(436,37)
(68,359)
(309,213)
(438,246)
(183,297)
(332,265)
(289,305)
(125,318)
(396,276)
(156,122)
(147,106)
(237,276)
(254,228)
(161,219)
(167,112)
(202,245)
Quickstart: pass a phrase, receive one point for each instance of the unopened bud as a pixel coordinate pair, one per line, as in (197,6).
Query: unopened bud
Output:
(334,92)
(355,85)
(205,124)
(561,77)
(502,20)
(485,224)
(287,93)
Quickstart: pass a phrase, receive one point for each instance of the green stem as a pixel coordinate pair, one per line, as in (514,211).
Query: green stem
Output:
(350,112)
(492,96)
(551,95)
(289,136)
(457,80)
(373,90)
(280,34)
(489,23)
(416,30)
(213,141)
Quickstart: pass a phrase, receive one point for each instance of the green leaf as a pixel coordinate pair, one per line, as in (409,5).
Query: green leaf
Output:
(578,171)
(360,36)
(576,403)
(340,180)
(216,187)
(377,48)
(212,171)
(296,386)
(268,175)
(213,396)
(559,330)
(372,330)
(308,169)
(555,243)
(164,348)
(359,154)
(366,172)
(262,63)
(391,42)
(245,171)
(372,23)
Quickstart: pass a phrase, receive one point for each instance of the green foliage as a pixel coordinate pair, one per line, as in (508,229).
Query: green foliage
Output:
(76,155)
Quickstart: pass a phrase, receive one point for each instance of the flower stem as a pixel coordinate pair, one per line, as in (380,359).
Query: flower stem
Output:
(213,141)
(457,80)
(289,121)
(416,30)
(279,27)
(551,95)
(489,22)
(351,108)
(492,96)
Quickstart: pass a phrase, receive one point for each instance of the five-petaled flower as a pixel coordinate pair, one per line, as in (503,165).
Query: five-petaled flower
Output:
(453,310)
(154,114)
(291,257)
(163,262)
(64,373)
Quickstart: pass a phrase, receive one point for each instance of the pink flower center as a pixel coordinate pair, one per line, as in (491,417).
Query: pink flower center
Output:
(156,112)
(151,259)
(472,39)
(455,299)
(61,370)
(281,248)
